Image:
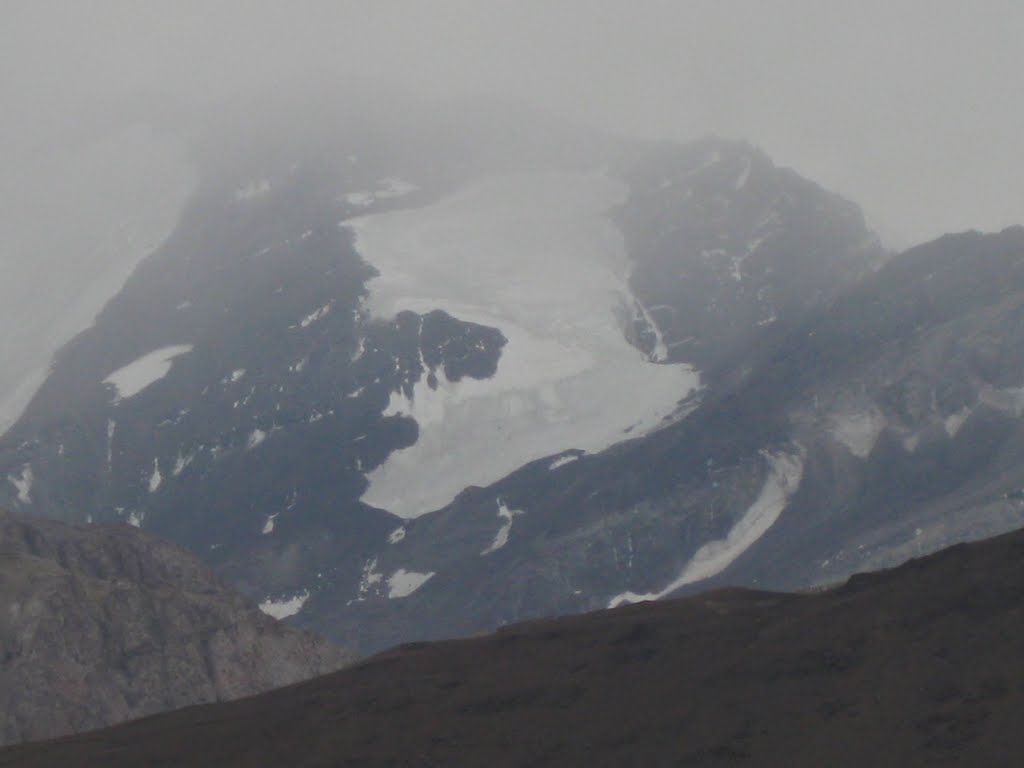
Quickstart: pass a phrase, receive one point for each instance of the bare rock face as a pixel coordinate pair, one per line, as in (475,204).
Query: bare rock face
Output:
(101,624)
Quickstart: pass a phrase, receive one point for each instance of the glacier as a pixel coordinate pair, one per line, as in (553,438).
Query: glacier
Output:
(534,255)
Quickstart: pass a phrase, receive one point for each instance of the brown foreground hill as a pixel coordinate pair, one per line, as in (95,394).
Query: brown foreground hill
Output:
(922,665)
(100,624)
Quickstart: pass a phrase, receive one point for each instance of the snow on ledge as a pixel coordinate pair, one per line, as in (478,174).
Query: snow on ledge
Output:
(23,484)
(282,609)
(315,315)
(744,177)
(501,537)
(396,535)
(784,475)
(403,583)
(156,478)
(131,379)
(561,462)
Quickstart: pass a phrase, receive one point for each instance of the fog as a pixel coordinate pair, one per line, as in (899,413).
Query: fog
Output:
(912,108)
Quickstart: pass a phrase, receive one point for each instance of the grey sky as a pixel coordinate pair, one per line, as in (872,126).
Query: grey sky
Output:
(911,107)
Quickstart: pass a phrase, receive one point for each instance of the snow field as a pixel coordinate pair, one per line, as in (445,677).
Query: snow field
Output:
(535,256)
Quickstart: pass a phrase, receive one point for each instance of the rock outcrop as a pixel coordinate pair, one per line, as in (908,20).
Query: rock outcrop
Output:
(101,624)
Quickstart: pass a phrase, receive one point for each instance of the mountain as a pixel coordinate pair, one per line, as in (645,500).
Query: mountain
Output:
(905,400)
(103,624)
(885,426)
(409,372)
(918,666)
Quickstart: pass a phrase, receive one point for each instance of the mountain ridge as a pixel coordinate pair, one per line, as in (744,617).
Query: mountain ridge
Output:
(918,665)
(367,420)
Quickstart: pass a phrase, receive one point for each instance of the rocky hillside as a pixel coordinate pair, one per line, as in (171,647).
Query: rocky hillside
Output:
(102,624)
(919,666)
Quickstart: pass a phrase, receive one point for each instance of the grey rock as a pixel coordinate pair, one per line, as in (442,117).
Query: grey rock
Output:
(101,624)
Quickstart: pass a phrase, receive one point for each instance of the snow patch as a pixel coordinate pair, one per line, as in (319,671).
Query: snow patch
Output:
(501,537)
(23,484)
(403,583)
(268,525)
(396,535)
(256,437)
(736,261)
(111,428)
(370,577)
(533,255)
(785,472)
(360,349)
(131,379)
(744,176)
(155,478)
(955,422)
(236,375)
(181,463)
(135,519)
(312,317)
(859,431)
(282,609)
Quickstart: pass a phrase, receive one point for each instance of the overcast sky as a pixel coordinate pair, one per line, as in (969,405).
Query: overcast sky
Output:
(912,108)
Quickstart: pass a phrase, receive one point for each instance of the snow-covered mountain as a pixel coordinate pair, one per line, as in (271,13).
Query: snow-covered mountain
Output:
(403,374)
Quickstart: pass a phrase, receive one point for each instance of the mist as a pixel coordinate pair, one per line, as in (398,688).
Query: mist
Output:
(910,108)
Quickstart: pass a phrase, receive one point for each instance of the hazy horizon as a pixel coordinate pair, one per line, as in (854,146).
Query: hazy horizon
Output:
(906,108)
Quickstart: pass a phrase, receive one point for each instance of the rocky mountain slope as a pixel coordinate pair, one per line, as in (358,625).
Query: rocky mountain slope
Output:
(918,666)
(885,427)
(102,624)
(358,377)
